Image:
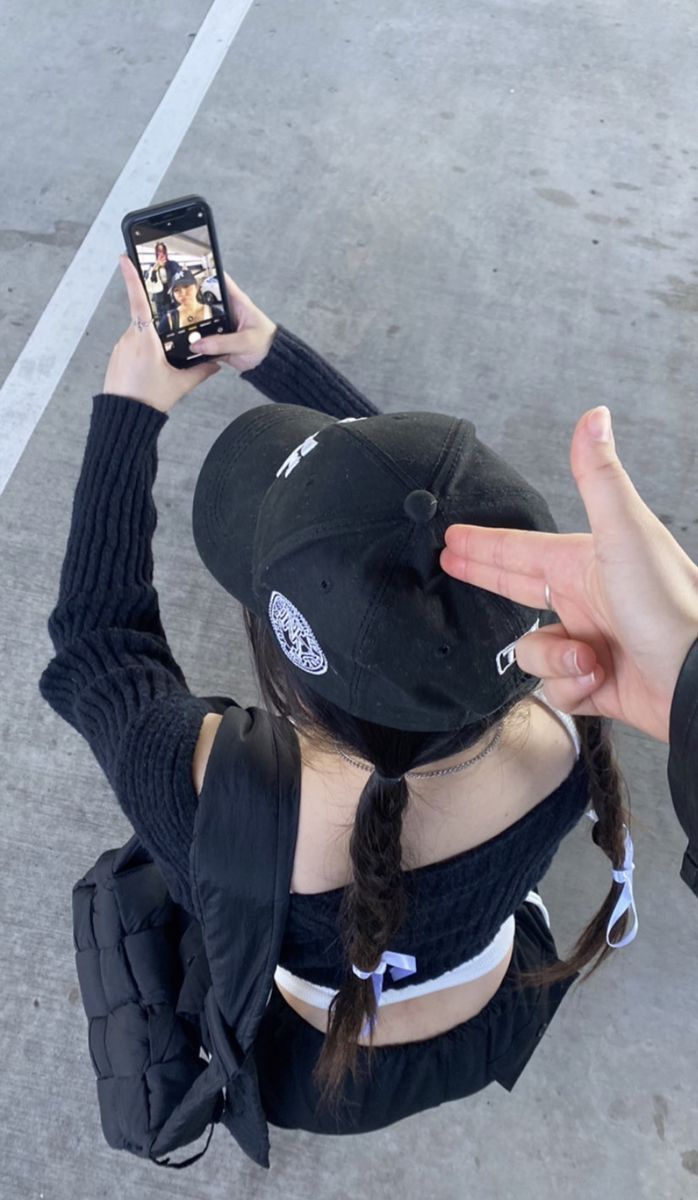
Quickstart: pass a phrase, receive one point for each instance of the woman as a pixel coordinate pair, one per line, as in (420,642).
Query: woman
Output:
(390,679)
(161,276)
(189,311)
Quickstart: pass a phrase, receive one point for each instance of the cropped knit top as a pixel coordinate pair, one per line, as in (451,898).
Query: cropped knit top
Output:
(460,913)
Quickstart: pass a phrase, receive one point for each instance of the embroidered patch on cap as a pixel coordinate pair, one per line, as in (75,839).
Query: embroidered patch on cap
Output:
(295,636)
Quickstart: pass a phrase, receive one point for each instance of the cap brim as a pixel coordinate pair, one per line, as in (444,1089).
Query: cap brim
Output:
(238,470)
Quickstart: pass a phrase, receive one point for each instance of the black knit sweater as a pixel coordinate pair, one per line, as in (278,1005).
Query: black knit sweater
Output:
(113,677)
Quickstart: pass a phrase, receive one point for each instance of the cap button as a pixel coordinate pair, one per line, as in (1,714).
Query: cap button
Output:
(420,506)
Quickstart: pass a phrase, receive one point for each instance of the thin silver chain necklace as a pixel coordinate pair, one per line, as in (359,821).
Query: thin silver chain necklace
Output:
(444,770)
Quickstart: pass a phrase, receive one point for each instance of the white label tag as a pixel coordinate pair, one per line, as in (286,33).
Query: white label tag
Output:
(508,652)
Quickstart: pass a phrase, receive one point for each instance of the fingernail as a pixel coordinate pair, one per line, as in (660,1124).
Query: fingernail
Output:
(600,424)
(586,680)
(571,662)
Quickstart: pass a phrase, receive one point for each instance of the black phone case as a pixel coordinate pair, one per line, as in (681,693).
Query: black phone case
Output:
(175,207)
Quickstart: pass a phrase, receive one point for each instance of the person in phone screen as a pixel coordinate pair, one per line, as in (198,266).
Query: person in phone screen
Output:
(190,310)
(160,278)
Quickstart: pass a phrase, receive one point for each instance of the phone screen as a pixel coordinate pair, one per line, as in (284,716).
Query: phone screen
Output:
(177,253)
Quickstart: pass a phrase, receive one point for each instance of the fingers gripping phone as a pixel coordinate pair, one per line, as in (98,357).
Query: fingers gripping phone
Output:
(175,249)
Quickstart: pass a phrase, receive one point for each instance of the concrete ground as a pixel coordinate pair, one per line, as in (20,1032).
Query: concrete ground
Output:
(485,209)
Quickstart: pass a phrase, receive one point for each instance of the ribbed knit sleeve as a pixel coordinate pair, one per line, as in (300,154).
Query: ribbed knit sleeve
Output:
(113,677)
(292,373)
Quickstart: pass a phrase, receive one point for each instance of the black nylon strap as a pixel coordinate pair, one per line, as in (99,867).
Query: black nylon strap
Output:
(165,1162)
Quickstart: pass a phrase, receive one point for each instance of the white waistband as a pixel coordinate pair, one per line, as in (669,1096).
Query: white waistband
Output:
(487,960)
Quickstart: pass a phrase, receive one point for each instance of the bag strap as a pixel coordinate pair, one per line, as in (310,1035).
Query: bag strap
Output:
(242,859)
(241,863)
(165,1162)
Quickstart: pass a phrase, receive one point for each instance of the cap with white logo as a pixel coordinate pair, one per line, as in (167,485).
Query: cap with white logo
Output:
(181,279)
(332,530)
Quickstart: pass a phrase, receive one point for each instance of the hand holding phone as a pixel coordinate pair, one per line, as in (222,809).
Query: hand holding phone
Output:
(249,345)
(138,368)
(177,239)
(200,310)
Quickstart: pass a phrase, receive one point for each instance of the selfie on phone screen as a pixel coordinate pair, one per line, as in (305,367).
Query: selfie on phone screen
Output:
(183,289)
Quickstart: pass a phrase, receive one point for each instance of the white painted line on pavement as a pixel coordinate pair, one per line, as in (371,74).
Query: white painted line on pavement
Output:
(51,345)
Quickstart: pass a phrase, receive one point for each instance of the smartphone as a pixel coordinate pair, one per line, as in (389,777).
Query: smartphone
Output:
(174,247)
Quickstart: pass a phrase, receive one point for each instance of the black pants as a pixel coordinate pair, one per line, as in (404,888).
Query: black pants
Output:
(494,1045)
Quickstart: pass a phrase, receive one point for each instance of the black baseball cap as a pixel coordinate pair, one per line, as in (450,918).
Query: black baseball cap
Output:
(181,279)
(331,529)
